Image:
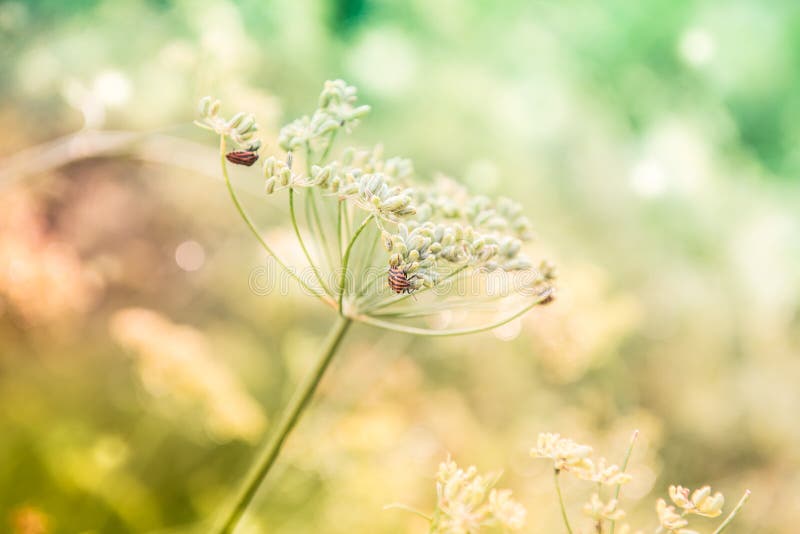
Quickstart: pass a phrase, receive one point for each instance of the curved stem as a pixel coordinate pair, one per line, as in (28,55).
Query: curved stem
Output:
(327,151)
(371,280)
(732,515)
(346,261)
(246,218)
(311,202)
(320,228)
(456,332)
(288,420)
(339,227)
(623,468)
(303,245)
(561,502)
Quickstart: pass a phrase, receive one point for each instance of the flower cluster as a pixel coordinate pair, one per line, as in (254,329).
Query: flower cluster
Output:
(430,232)
(701,502)
(671,521)
(278,175)
(574,458)
(336,110)
(467,501)
(567,455)
(241,128)
(374,194)
(602,511)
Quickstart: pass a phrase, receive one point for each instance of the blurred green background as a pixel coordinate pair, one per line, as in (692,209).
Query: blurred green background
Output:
(654,144)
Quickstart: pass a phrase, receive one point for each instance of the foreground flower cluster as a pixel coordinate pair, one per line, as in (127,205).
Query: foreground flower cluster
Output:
(442,244)
(467,502)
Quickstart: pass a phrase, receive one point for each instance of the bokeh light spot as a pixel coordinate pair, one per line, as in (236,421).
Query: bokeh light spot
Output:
(648,179)
(190,256)
(697,47)
(112,88)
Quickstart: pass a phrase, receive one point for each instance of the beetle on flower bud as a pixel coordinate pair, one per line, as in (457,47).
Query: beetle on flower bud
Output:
(242,157)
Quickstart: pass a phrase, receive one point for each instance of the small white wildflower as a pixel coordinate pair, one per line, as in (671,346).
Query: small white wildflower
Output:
(467,502)
(241,128)
(336,110)
(602,472)
(566,454)
(600,511)
(279,175)
(670,520)
(509,513)
(702,502)
(373,194)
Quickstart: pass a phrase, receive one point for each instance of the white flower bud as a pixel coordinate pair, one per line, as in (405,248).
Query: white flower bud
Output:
(269,167)
(236,120)
(285,176)
(204,105)
(214,109)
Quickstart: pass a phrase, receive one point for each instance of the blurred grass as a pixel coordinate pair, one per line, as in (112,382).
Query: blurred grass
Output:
(654,145)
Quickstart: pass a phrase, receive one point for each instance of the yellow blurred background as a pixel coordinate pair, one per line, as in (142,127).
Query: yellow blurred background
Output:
(654,145)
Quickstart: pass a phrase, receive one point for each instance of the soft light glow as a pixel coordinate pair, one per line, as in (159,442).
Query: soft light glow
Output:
(508,331)
(648,178)
(697,47)
(384,61)
(190,256)
(112,88)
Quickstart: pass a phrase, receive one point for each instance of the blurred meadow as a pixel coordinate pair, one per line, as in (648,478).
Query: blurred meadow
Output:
(655,145)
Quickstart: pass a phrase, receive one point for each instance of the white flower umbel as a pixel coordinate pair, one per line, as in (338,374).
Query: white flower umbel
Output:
(383,249)
(362,215)
(468,503)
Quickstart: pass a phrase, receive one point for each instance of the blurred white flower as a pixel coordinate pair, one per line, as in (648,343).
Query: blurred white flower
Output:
(566,454)
(176,361)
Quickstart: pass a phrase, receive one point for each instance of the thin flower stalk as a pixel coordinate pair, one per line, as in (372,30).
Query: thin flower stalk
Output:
(623,469)
(734,512)
(289,419)
(561,505)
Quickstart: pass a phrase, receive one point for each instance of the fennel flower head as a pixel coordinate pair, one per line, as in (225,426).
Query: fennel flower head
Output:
(467,502)
(383,246)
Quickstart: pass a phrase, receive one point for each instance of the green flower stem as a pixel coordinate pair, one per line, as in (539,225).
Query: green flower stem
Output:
(561,501)
(622,469)
(254,230)
(346,261)
(328,148)
(732,515)
(289,419)
(303,245)
(311,202)
(367,263)
(388,325)
(427,311)
(310,223)
(320,228)
(371,280)
(339,226)
(347,218)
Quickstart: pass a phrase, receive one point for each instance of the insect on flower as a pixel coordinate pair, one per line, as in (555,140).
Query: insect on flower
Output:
(399,281)
(242,157)
(550,297)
